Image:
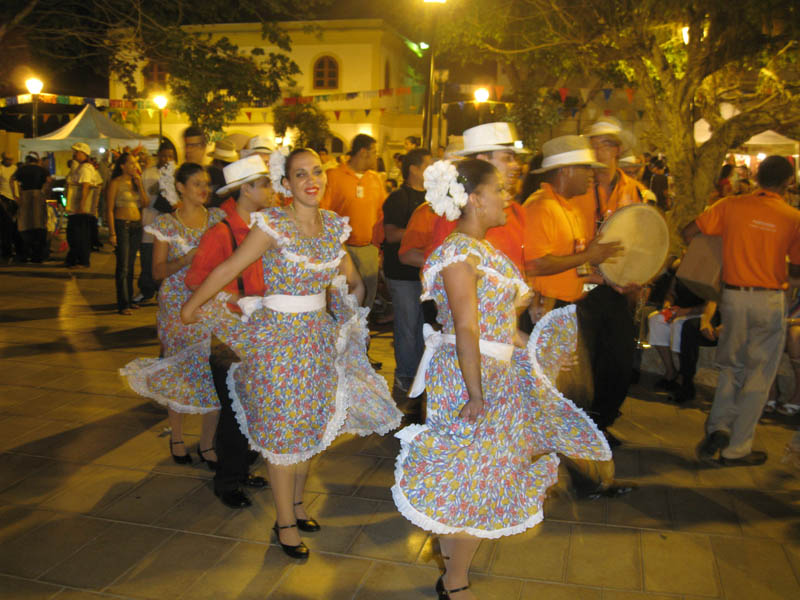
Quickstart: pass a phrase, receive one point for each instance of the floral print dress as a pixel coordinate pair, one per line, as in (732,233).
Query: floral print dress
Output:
(305,377)
(182,379)
(480,478)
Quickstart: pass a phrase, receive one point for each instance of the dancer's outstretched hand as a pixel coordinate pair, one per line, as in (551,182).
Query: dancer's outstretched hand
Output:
(471,410)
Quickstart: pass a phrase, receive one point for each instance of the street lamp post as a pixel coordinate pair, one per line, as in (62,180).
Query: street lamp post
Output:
(34,86)
(427,122)
(161,103)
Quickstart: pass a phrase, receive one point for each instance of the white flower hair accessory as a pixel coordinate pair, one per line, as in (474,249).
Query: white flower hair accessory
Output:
(277,171)
(444,189)
(166,183)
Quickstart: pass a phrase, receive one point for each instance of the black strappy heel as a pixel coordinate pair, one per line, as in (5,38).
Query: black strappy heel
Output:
(307,524)
(299,551)
(444,594)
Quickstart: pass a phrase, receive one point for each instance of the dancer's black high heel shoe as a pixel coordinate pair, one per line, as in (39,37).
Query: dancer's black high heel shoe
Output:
(299,551)
(181,460)
(445,594)
(307,524)
(212,464)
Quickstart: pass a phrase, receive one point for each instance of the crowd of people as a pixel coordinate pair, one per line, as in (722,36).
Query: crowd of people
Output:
(511,345)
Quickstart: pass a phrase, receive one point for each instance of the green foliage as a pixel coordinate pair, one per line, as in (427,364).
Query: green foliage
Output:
(209,78)
(309,121)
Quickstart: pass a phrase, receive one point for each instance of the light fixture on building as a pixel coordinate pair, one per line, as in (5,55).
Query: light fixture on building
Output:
(481,95)
(161,103)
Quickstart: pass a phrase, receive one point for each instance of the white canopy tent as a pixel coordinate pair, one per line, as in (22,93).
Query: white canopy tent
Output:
(91,127)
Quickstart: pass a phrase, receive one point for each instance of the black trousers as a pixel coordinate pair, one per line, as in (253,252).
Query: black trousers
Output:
(79,239)
(147,285)
(9,236)
(691,340)
(606,330)
(232,447)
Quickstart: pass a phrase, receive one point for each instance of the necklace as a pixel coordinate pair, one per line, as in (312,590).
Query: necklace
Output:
(297,225)
(205,219)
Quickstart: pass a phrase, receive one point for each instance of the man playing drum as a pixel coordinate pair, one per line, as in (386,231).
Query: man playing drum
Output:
(555,247)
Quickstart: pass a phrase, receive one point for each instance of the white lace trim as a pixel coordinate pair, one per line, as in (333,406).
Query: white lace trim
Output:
(177,239)
(429,275)
(533,343)
(136,372)
(406,436)
(284,242)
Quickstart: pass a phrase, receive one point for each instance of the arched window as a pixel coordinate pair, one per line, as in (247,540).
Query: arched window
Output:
(337,145)
(326,73)
(155,77)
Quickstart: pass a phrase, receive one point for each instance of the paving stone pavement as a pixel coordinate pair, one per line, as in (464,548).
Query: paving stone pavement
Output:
(92,506)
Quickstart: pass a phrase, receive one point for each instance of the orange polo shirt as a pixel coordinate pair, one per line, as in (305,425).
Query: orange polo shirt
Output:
(419,230)
(359,198)
(508,238)
(758,231)
(595,203)
(215,247)
(553,225)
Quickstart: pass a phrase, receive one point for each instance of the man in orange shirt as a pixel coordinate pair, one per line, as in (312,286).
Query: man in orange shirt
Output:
(612,188)
(759,230)
(355,190)
(248,183)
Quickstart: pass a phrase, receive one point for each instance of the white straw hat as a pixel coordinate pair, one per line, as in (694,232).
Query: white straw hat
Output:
(611,126)
(224,150)
(490,137)
(81,147)
(242,171)
(256,144)
(567,150)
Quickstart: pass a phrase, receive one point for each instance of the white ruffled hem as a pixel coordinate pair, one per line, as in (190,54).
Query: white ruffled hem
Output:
(260,220)
(177,239)
(136,372)
(406,436)
(552,390)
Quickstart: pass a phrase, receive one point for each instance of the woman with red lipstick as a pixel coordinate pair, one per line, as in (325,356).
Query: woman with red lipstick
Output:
(177,236)
(304,378)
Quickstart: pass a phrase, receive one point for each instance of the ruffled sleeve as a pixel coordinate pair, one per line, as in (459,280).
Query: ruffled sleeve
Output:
(263,219)
(456,248)
(164,228)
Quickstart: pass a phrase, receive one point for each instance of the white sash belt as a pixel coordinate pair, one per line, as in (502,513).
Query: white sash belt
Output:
(281,303)
(434,339)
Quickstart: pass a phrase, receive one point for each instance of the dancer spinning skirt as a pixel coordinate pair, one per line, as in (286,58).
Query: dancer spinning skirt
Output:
(481,465)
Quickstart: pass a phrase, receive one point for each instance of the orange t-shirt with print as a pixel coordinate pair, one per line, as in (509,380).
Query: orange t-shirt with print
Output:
(758,231)
(360,198)
(595,203)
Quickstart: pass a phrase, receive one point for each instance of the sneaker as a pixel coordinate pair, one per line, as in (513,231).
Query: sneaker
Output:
(755,458)
(711,444)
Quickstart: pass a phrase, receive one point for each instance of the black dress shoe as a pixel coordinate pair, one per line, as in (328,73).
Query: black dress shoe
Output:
(299,551)
(711,444)
(755,458)
(234,498)
(444,594)
(254,481)
(307,524)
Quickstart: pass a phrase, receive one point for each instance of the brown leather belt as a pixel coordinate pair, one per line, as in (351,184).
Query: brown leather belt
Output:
(753,288)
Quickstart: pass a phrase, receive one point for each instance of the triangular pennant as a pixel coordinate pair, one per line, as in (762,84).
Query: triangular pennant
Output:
(383,110)
(640,113)
(498,91)
(367,111)
(338,114)
(607,93)
(584,92)
(150,112)
(249,114)
(562,91)
(574,111)
(124,114)
(165,112)
(607,112)
(629,93)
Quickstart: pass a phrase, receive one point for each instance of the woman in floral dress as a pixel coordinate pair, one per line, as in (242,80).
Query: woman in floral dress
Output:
(304,376)
(468,472)
(185,348)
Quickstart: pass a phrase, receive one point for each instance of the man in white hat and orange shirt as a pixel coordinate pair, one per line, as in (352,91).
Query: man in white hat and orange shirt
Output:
(558,240)
(83,188)
(498,144)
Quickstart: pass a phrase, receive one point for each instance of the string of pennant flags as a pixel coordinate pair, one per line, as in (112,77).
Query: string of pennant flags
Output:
(123,105)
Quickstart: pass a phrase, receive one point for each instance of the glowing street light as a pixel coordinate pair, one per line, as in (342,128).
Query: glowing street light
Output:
(34,86)
(161,102)
(481,95)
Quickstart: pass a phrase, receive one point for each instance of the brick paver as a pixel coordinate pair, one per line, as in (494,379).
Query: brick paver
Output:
(92,506)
